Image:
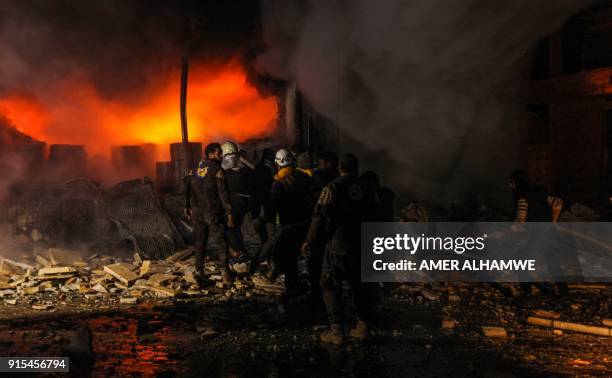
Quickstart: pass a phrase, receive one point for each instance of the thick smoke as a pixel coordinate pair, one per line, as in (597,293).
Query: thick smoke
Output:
(124,47)
(430,93)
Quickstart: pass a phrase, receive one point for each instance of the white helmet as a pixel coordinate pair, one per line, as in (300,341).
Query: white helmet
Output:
(229,148)
(283,158)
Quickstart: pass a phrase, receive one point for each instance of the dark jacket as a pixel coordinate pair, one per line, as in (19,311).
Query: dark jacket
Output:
(322,178)
(343,205)
(239,188)
(206,193)
(291,197)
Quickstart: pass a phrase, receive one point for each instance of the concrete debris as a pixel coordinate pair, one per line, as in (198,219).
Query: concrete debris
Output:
(128,300)
(9,268)
(60,256)
(122,271)
(145,267)
(497,332)
(56,270)
(129,280)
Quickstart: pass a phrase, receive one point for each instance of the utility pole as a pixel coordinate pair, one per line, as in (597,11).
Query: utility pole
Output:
(183,108)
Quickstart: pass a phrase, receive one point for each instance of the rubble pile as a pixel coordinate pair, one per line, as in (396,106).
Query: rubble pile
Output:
(59,276)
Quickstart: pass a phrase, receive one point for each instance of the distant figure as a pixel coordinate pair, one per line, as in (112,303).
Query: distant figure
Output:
(535,204)
(207,202)
(414,212)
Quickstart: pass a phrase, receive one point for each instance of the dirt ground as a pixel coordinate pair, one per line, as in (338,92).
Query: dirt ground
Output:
(202,337)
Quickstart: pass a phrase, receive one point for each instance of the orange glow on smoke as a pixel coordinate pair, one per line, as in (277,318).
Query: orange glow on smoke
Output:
(221,105)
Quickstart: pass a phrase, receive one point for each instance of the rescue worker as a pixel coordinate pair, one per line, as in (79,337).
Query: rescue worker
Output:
(237,177)
(343,204)
(327,169)
(291,201)
(207,203)
(262,179)
(304,164)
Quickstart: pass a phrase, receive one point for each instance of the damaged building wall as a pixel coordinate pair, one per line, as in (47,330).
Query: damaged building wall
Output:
(573,89)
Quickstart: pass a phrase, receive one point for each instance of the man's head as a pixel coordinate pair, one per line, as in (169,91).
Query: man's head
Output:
(213,151)
(349,165)
(304,161)
(283,158)
(327,161)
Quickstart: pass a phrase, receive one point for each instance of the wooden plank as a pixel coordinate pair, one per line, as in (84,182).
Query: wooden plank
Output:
(122,272)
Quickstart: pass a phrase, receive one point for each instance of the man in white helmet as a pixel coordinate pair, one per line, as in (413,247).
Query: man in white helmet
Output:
(238,178)
(291,202)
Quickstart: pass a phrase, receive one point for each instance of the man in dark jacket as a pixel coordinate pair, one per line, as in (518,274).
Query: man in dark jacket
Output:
(207,203)
(343,205)
(327,169)
(291,202)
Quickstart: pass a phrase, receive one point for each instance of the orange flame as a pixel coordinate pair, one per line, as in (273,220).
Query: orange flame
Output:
(221,105)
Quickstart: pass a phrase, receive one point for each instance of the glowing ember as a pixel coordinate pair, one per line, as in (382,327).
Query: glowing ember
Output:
(221,105)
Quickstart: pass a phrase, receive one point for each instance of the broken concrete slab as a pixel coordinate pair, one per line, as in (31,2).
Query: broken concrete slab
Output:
(180,255)
(43,261)
(128,300)
(159,279)
(62,256)
(8,268)
(145,267)
(56,270)
(122,272)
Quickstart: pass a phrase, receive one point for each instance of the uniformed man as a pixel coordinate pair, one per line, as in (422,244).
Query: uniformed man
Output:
(326,170)
(207,203)
(291,202)
(343,204)
(237,177)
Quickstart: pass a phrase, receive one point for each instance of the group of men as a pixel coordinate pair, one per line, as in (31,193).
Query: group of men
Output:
(301,212)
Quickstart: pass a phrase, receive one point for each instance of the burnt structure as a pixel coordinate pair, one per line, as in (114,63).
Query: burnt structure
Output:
(570,133)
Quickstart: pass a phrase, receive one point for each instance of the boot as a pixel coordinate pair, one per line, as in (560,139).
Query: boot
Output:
(334,335)
(361,330)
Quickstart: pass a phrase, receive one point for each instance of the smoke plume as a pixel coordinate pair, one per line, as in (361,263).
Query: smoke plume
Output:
(430,93)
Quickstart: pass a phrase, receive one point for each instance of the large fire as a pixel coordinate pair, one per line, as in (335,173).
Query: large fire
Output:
(221,104)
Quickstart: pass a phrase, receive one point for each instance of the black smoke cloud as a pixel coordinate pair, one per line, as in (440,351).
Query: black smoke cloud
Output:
(431,93)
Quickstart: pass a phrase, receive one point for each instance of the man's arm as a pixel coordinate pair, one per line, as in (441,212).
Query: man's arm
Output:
(222,191)
(318,230)
(187,195)
(556,206)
